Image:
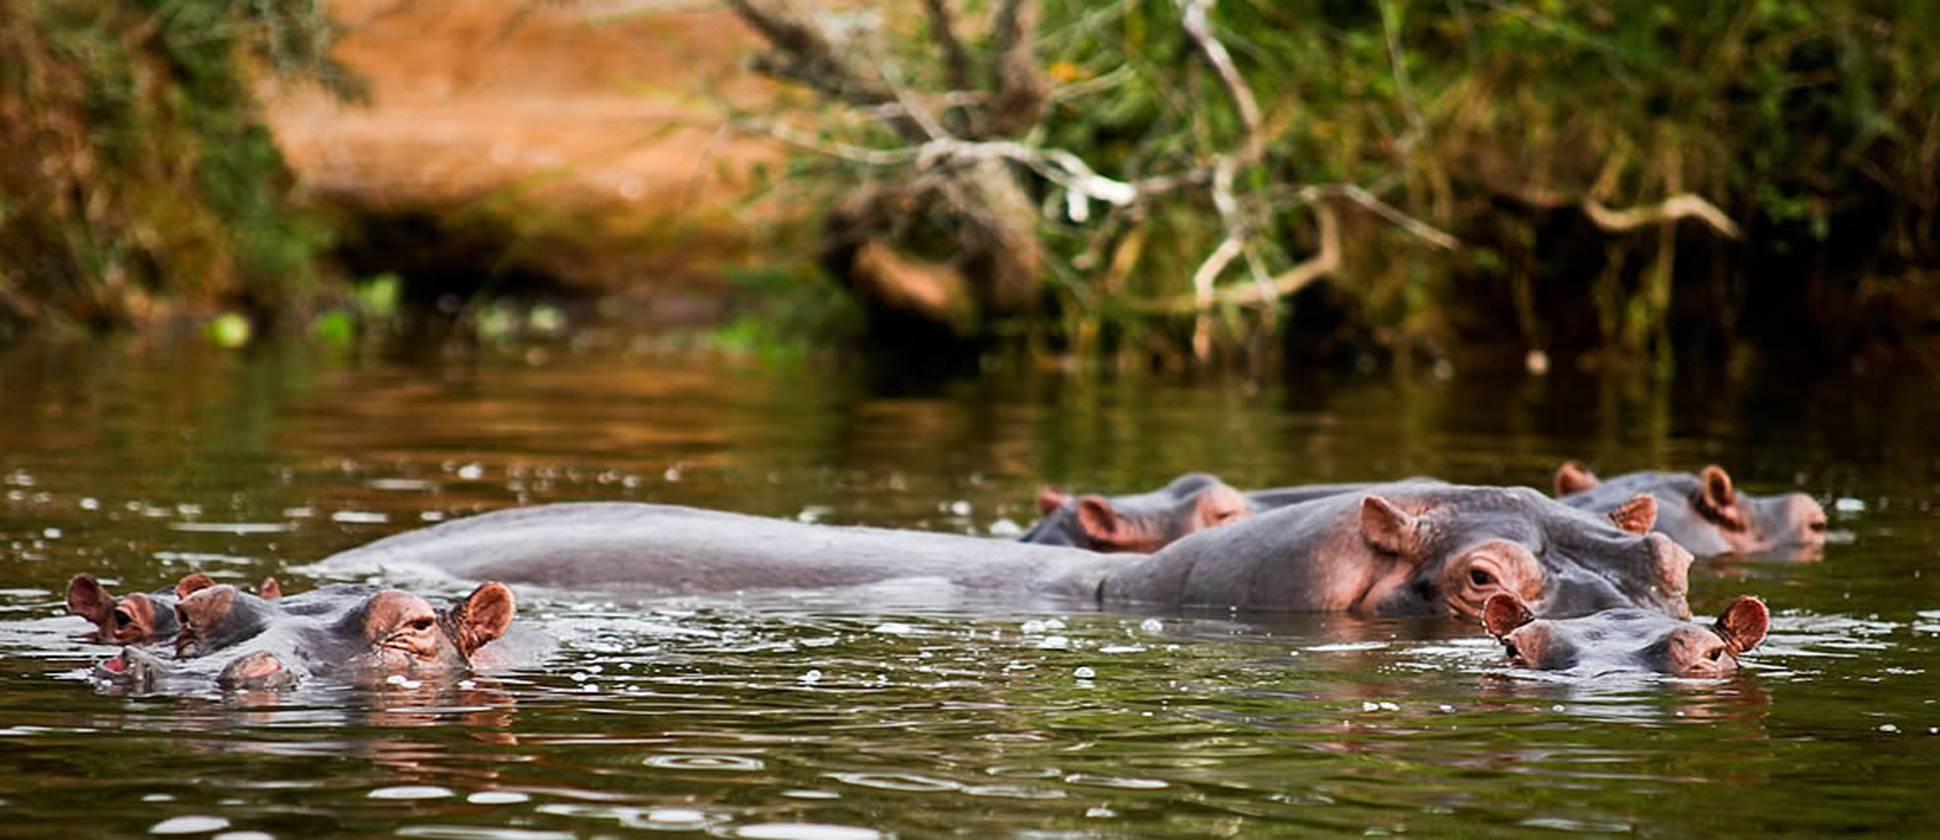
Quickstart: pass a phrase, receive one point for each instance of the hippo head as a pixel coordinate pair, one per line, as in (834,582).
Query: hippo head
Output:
(216,617)
(1714,516)
(130,619)
(1459,546)
(396,632)
(1141,523)
(1626,639)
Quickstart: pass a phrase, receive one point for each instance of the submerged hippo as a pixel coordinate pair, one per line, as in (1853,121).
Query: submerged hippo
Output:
(1140,522)
(1626,639)
(1703,512)
(358,633)
(142,616)
(1147,522)
(1400,549)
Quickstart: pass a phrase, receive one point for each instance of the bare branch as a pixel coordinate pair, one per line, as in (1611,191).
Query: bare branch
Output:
(956,61)
(1326,262)
(1056,165)
(803,54)
(1199,26)
(809,142)
(1427,232)
(1682,205)
(1021,91)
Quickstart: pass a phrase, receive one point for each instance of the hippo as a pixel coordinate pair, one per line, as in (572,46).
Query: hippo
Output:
(1626,639)
(1704,512)
(1395,550)
(1142,522)
(142,616)
(360,633)
(1147,522)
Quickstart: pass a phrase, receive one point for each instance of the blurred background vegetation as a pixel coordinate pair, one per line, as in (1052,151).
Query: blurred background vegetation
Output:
(1475,181)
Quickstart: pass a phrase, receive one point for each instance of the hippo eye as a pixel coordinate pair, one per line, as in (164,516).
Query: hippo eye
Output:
(1510,648)
(1715,654)
(1817,525)
(422,623)
(1480,578)
(123,619)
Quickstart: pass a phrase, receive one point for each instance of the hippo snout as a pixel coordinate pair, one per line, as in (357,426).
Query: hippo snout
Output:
(1809,517)
(1673,579)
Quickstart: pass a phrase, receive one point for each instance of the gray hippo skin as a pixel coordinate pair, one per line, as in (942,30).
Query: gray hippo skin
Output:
(139,617)
(1704,512)
(1398,550)
(1626,639)
(350,631)
(1140,522)
(1147,522)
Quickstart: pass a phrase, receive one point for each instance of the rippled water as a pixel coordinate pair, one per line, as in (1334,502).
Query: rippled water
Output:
(803,717)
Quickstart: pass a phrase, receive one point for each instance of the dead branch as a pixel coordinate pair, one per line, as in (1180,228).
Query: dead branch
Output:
(1326,262)
(956,61)
(1199,26)
(1020,90)
(1680,206)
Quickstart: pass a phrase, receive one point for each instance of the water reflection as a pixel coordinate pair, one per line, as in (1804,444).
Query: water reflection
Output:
(890,713)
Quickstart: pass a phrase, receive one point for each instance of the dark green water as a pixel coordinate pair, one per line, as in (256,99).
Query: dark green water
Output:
(792,718)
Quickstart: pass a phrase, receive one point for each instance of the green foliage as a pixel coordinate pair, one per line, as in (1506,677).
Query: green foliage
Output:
(139,174)
(1808,122)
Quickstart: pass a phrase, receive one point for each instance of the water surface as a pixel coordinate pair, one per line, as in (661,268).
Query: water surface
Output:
(806,717)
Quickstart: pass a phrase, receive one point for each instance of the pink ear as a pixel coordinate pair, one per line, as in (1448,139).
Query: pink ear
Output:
(1573,477)
(1050,499)
(1637,514)
(1503,613)
(1100,520)
(1386,527)
(191,584)
(1744,624)
(270,590)
(1717,487)
(87,598)
(484,616)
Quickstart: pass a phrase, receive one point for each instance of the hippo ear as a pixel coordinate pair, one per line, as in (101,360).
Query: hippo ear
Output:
(1717,487)
(1573,477)
(1102,523)
(1386,527)
(191,584)
(87,598)
(483,616)
(1503,613)
(1636,515)
(1743,624)
(270,590)
(1050,499)
(205,607)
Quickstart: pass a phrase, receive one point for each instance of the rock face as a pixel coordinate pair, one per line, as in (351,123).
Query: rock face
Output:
(571,141)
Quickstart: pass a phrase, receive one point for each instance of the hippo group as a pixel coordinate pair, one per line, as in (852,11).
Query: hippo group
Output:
(1593,580)
(264,640)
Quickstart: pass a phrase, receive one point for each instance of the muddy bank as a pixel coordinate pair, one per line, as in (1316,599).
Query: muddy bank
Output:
(574,143)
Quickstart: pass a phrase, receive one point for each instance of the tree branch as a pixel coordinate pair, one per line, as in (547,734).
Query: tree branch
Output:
(1326,262)
(956,61)
(1020,90)
(1680,206)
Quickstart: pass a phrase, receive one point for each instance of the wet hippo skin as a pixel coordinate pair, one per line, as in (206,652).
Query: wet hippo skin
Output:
(1626,639)
(352,631)
(1401,549)
(1139,522)
(1147,522)
(139,617)
(1704,512)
